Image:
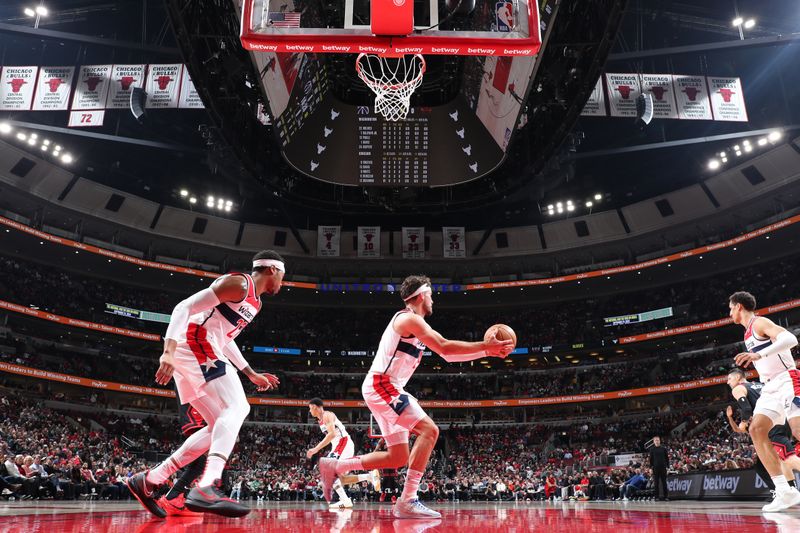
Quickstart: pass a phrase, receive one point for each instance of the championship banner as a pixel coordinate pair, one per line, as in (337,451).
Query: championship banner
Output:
(369,241)
(692,97)
(123,79)
(189,98)
(596,104)
(660,86)
(413,240)
(328,238)
(53,88)
(727,99)
(454,242)
(163,86)
(92,88)
(623,89)
(16,88)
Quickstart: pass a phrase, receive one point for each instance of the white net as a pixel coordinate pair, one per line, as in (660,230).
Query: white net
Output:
(393,80)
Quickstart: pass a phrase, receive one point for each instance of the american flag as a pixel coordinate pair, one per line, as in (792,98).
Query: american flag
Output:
(284,20)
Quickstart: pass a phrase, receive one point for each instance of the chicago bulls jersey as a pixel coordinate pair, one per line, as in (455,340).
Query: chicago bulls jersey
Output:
(767,367)
(340,432)
(217,327)
(398,357)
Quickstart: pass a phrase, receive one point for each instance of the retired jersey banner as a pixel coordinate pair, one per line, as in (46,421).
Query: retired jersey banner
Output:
(692,97)
(88,118)
(123,79)
(454,242)
(328,238)
(53,88)
(596,104)
(92,88)
(189,98)
(16,88)
(163,86)
(622,92)
(413,240)
(660,86)
(727,99)
(369,241)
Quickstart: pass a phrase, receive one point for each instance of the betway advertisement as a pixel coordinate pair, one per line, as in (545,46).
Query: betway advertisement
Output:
(742,484)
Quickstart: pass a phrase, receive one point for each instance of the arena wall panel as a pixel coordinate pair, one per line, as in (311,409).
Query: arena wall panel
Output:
(90,197)
(178,223)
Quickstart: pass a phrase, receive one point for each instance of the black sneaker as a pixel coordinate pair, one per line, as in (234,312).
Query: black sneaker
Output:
(138,487)
(211,499)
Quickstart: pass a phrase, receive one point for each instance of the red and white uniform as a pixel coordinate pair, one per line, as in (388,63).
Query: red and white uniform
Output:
(395,410)
(776,373)
(341,445)
(199,355)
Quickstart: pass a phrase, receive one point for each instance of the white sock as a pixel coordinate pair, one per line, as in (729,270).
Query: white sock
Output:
(214,466)
(781,485)
(337,486)
(364,477)
(413,477)
(346,465)
(196,445)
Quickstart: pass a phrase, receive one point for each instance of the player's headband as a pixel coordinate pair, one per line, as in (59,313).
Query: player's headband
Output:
(269,263)
(422,289)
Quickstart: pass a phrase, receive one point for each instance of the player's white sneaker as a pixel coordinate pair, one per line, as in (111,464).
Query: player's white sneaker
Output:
(375,480)
(413,509)
(341,504)
(327,475)
(782,500)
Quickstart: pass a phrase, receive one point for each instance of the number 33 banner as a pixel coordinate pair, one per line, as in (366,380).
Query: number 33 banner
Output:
(369,241)
(453,242)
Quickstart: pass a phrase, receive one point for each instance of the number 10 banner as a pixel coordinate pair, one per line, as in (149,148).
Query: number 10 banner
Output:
(369,241)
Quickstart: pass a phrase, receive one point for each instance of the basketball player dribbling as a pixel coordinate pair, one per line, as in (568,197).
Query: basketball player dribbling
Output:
(747,394)
(199,350)
(396,411)
(769,350)
(342,447)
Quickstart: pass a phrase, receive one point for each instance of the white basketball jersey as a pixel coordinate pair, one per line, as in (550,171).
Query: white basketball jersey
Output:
(208,332)
(767,367)
(398,357)
(340,431)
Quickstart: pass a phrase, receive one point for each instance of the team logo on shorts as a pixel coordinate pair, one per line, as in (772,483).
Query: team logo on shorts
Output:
(399,404)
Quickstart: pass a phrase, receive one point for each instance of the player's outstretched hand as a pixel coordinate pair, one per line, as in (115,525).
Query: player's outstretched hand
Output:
(745,359)
(498,348)
(264,382)
(166,367)
(310,453)
(729,411)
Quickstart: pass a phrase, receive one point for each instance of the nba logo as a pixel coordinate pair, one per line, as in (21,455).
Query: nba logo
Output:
(504,13)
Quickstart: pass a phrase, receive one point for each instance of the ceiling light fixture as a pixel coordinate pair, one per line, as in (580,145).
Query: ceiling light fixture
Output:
(713,164)
(5,127)
(750,23)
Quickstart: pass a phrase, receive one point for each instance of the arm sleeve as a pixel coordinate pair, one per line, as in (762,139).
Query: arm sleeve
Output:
(745,407)
(200,301)
(785,341)
(464,357)
(233,353)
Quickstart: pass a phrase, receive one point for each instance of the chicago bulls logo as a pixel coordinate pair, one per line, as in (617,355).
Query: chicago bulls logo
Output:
(54,84)
(454,237)
(691,92)
(126,82)
(16,84)
(413,237)
(163,82)
(328,237)
(726,95)
(368,236)
(92,82)
(658,92)
(625,91)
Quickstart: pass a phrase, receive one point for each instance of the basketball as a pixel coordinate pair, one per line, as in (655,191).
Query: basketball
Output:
(502,331)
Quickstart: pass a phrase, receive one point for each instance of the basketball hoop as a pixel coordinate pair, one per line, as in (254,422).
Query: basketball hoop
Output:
(393,80)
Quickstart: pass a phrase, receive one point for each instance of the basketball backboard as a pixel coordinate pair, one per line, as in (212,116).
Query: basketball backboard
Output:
(493,28)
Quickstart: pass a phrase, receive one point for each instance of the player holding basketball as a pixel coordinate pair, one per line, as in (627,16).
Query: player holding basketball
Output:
(341,448)
(769,350)
(396,411)
(747,395)
(199,349)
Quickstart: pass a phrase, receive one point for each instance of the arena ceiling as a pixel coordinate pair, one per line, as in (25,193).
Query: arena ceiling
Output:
(557,156)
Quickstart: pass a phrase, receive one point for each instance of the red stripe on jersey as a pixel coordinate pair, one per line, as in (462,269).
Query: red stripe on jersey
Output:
(340,447)
(198,343)
(378,386)
(795,375)
(252,298)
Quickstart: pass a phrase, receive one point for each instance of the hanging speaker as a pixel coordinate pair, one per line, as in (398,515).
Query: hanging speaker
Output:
(138,99)
(644,108)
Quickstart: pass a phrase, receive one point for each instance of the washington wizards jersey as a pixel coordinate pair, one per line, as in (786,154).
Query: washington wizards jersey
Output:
(397,357)
(767,367)
(339,431)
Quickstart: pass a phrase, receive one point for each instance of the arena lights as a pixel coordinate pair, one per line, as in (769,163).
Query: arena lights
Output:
(713,164)
(774,136)
(5,128)
(184,193)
